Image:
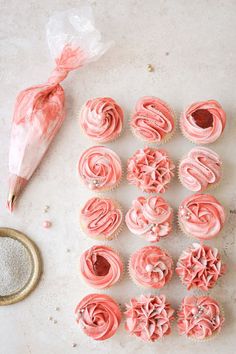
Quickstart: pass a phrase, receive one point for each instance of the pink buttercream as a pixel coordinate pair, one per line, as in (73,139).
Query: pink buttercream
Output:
(203,122)
(201,216)
(152,120)
(101,267)
(102,119)
(200,266)
(149,317)
(200,169)
(101,218)
(151,267)
(150,217)
(100,168)
(99,316)
(150,169)
(199,317)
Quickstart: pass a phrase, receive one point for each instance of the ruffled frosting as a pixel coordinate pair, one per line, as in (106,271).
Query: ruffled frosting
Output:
(203,122)
(101,218)
(199,169)
(150,218)
(201,216)
(102,119)
(149,317)
(99,316)
(200,266)
(199,317)
(150,169)
(151,267)
(100,168)
(100,266)
(152,120)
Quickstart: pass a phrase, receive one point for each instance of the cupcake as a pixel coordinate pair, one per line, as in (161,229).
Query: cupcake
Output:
(150,267)
(100,168)
(203,122)
(149,317)
(150,169)
(101,119)
(153,121)
(150,217)
(199,318)
(101,218)
(100,267)
(200,169)
(200,266)
(99,316)
(201,216)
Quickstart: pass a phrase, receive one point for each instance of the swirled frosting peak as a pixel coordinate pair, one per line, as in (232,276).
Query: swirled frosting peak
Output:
(200,266)
(101,218)
(199,317)
(100,168)
(150,169)
(151,267)
(102,119)
(203,122)
(152,120)
(101,267)
(149,317)
(201,216)
(99,316)
(200,169)
(150,217)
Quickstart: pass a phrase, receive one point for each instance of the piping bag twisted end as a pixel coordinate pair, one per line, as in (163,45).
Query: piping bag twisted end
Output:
(16,185)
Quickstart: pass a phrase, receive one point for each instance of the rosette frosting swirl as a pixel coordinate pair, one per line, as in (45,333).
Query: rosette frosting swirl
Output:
(151,267)
(101,218)
(150,217)
(150,169)
(203,122)
(149,317)
(100,266)
(152,120)
(199,169)
(200,266)
(101,119)
(99,316)
(100,168)
(201,216)
(199,317)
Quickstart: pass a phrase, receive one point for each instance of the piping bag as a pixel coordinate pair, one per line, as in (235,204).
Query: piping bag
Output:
(39,110)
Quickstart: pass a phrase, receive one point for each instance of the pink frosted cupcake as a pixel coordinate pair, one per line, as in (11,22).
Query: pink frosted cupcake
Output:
(200,266)
(150,267)
(201,216)
(101,119)
(101,218)
(149,317)
(200,169)
(153,121)
(100,168)
(101,267)
(99,316)
(150,169)
(203,122)
(150,217)
(200,318)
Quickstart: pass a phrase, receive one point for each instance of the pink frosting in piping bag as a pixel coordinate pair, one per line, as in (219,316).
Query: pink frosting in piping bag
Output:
(39,110)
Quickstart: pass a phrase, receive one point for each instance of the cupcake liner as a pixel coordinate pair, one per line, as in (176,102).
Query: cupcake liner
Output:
(132,277)
(115,234)
(102,290)
(194,339)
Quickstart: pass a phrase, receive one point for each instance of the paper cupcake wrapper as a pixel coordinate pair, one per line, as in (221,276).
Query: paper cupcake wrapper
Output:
(194,339)
(102,289)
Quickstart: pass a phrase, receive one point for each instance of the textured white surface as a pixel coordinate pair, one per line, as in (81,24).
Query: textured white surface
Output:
(200,39)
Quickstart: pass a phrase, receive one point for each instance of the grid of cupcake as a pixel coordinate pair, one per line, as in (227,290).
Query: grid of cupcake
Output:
(201,216)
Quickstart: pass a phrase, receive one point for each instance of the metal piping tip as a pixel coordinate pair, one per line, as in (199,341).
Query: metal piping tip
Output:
(16,185)
(11,202)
